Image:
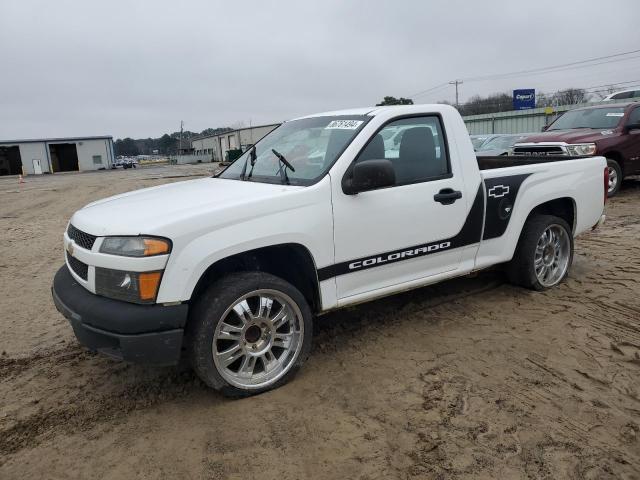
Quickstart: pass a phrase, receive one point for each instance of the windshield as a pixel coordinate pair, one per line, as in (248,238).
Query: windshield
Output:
(478,141)
(501,143)
(310,145)
(589,118)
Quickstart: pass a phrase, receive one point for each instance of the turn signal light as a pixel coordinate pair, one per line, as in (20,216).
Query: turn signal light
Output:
(155,246)
(149,283)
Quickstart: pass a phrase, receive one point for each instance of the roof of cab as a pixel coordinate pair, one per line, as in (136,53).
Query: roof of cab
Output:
(375,110)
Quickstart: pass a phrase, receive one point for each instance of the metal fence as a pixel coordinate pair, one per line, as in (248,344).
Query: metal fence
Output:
(182,159)
(520,121)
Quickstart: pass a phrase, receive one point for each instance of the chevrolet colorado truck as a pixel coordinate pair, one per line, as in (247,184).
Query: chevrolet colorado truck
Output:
(230,271)
(608,130)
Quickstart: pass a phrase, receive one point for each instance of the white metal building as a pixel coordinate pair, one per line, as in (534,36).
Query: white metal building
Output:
(218,145)
(52,155)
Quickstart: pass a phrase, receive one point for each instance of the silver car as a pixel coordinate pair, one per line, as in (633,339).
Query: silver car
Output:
(500,144)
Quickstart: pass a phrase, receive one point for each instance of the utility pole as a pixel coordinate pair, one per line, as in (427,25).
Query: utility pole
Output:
(180,143)
(456,83)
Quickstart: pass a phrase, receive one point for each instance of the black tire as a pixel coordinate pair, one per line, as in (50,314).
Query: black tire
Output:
(521,270)
(615,166)
(208,312)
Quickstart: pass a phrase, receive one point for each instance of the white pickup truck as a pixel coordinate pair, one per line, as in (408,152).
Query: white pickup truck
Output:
(325,211)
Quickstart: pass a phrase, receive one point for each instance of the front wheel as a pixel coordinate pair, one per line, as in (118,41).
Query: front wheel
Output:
(615,177)
(544,253)
(249,332)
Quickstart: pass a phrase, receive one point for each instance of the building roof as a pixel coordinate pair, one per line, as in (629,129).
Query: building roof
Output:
(57,140)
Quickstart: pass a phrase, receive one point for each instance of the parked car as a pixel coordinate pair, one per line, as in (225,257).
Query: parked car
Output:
(478,140)
(129,163)
(229,271)
(500,144)
(611,131)
(623,95)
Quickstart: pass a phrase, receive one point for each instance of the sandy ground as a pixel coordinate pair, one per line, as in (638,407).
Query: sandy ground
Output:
(471,378)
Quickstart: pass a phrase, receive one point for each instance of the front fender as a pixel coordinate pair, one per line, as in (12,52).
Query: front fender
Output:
(310,224)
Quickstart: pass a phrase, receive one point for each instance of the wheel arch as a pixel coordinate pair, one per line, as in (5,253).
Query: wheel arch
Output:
(292,262)
(563,207)
(614,155)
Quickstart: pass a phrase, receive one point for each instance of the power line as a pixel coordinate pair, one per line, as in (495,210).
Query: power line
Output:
(545,71)
(541,70)
(429,90)
(560,66)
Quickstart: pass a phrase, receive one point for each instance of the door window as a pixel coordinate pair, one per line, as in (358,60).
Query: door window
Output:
(415,146)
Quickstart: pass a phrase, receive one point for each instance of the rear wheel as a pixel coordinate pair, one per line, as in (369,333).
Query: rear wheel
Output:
(544,253)
(615,177)
(250,332)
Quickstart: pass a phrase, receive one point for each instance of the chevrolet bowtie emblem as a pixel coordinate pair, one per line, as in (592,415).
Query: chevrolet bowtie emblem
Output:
(499,191)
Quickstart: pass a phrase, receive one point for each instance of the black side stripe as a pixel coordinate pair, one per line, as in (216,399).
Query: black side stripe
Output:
(501,197)
(470,233)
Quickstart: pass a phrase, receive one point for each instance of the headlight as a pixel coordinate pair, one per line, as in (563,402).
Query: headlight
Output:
(135,246)
(136,287)
(582,149)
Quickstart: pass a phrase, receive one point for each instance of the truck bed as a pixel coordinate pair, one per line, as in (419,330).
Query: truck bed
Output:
(502,161)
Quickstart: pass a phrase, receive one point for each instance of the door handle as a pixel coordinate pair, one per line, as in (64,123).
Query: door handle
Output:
(447,196)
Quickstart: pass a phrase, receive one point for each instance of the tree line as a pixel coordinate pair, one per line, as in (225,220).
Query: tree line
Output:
(503,102)
(167,144)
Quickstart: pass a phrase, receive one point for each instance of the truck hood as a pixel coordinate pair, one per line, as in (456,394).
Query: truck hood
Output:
(581,135)
(149,210)
(492,153)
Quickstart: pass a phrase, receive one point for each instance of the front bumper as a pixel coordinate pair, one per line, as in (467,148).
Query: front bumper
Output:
(150,334)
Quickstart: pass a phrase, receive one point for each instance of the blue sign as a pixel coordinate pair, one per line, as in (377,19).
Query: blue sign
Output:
(524,99)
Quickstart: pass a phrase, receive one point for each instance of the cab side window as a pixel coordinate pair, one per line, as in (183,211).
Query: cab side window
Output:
(415,146)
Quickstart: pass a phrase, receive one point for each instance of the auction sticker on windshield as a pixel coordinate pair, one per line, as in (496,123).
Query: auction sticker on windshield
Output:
(615,114)
(344,124)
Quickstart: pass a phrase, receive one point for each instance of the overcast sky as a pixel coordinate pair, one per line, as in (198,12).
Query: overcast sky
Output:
(136,68)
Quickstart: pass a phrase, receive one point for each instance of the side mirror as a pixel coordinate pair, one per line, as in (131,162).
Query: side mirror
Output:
(631,126)
(369,175)
(544,128)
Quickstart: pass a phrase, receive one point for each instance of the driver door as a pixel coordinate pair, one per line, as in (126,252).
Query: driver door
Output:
(391,236)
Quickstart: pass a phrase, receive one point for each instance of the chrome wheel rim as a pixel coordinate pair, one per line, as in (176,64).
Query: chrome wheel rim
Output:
(258,339)
(613,179)
(552,255)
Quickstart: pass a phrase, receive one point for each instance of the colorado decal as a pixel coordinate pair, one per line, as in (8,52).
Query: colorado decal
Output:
(469,234)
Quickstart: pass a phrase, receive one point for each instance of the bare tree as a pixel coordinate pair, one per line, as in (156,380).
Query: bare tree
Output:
(571,96)
(477,105)
(600,94)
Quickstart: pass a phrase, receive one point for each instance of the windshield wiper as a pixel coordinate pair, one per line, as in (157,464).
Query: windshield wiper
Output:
(252,156)
(283,171)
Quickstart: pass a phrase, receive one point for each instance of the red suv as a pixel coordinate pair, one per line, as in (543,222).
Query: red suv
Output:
(611,130)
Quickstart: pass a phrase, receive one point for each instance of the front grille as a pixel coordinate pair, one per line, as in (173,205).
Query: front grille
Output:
(539,150)
(81,269)
(81,238)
